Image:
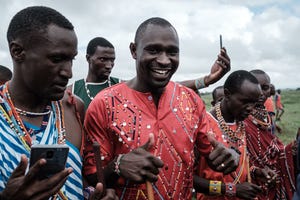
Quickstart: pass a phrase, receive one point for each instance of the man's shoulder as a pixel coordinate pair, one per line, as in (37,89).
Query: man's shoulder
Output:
(114,80)
(80,81)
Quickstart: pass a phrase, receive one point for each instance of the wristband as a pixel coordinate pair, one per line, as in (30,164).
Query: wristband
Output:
(199,83)
(117,164)
(88,191)
(230,190)
(215,187)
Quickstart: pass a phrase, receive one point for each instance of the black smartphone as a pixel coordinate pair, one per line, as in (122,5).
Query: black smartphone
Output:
(56,156)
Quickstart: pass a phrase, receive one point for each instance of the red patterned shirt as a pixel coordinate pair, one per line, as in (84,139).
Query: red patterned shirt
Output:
(240,175)
(120,119)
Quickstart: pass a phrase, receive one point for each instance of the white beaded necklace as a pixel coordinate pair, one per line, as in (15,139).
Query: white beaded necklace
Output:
(28,113)
(88,91)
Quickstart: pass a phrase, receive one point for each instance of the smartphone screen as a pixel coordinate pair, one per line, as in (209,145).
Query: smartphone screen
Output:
(56,156)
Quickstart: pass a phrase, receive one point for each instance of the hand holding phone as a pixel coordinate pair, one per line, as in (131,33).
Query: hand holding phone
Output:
(55,155)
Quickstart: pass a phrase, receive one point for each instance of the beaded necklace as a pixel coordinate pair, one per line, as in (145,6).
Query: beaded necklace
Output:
(88,92)
(9,112)
(236,138)
(261,118)
(233,136)
(33,114)
(16,123)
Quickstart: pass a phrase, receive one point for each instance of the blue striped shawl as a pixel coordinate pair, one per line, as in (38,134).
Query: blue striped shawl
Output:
(11,149)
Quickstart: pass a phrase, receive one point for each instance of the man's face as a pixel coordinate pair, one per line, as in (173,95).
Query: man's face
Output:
(157,57)
(102,62)
(264,81)
(242,103)
(47,64)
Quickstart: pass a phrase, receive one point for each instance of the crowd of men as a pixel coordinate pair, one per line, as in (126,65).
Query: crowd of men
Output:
(156,139)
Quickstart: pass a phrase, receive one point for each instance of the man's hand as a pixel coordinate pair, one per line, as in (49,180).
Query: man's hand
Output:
(222,159)
(139,165)
(29,186)
(220,67)
(247,190)
(266,175)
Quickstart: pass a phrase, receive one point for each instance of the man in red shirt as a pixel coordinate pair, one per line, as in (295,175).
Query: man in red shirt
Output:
(148,127)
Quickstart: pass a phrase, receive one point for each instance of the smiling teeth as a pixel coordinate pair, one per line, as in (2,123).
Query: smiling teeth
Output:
(160,71)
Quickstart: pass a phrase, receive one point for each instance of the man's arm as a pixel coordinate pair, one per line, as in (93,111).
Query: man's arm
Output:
(220,67)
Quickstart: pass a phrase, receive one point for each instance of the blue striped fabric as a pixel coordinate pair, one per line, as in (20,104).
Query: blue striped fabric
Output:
(11,149)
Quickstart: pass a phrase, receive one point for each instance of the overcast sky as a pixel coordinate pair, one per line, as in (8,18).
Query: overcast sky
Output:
(262,34)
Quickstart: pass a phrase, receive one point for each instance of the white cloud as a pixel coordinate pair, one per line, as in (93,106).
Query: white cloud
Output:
(257,33)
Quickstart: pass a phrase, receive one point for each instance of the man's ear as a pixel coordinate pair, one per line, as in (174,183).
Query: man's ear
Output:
(227,93)
(17,51)
(87,56)
(132,48)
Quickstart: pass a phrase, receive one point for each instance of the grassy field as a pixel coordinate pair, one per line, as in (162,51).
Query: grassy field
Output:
(290,120)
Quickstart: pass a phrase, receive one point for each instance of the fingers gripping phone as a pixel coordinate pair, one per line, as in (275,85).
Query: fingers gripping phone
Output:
(56,156)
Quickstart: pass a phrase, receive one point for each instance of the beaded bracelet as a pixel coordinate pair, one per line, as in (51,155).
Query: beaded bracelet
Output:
(215,187)
(199,83)
(117,164)
(230,190)
(88,191)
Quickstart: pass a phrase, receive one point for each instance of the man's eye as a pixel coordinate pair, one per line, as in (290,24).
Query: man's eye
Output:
(56,59)
(152,51)
(173,53)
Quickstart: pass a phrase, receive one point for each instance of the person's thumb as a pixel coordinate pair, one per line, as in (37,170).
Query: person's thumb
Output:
(213,141)
(149,144)
(98,193)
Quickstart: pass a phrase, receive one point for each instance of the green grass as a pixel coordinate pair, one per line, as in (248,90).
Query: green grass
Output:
(290,120)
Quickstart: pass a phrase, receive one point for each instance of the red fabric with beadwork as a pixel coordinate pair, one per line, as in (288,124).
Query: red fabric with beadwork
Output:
(265,150)
(120,119)
(269,104)
(241,173)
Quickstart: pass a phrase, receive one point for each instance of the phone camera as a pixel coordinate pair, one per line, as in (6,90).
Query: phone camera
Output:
(49,154)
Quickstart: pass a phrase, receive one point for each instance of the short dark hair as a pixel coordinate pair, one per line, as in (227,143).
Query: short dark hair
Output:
(155,21)
(259,72)
(5,73)
(97,41)
(35,19)
(215,91)
(235,80)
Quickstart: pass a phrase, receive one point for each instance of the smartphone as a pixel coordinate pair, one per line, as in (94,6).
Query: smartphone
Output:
(56,156)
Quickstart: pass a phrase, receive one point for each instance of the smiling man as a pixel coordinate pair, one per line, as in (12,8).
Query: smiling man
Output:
(148,127)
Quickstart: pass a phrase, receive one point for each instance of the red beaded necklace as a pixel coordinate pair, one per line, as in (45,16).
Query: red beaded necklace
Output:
(232,136)
(14,120)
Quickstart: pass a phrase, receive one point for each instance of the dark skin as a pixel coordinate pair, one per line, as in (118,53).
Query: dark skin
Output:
(242,102)
(157,59)
(101,64)
(220,67)
(41,74)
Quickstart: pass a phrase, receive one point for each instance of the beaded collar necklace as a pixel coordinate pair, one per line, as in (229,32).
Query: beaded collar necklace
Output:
(8,110)
(33,114)
(88,92)
(233,136)
(261,118)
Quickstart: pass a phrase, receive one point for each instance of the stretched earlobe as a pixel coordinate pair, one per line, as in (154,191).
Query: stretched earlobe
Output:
(132,48)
